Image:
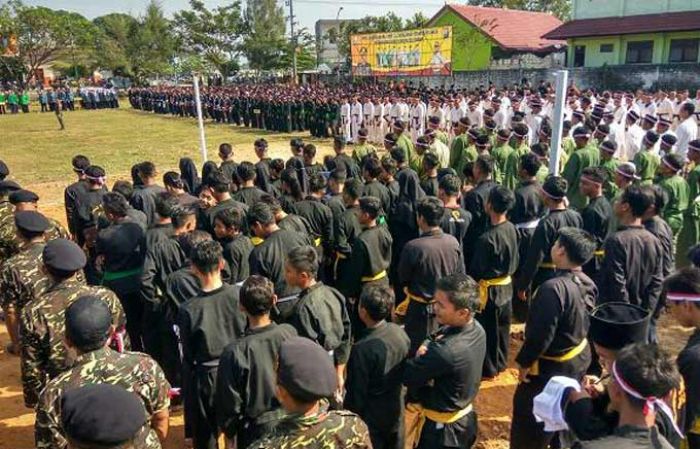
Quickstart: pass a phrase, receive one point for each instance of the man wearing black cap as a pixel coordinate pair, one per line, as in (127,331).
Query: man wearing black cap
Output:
(24,200)
(676,189)
(538,265)
(597,215)
(88,332)
(375,370)
(21,278)
(207,324)
(641,375)
(647,159)
(80,163)
(246,408)
(683,298)
(42,325)
(555,334)
(104,416)
(305,376)
(632,264)
(444,377)
(586,155)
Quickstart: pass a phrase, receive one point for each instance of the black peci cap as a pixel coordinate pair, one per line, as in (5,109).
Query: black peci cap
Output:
(31,221)
(23,196)
(615,325)
(63,255)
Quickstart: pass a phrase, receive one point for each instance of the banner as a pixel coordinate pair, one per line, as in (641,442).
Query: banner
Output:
(421,52)
(8,46)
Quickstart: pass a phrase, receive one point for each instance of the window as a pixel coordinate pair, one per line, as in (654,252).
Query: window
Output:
(640,52)
(606,48)
(579,56)
(684,50)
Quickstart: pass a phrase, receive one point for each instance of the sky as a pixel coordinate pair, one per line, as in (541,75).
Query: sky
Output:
(307,11)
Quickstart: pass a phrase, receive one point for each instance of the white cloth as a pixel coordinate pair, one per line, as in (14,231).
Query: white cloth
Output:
(355,120)
(547,405)
(686,132)
(345,120)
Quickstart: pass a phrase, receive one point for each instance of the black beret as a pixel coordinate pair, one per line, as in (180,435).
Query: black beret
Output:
(362,132)
(87,318)
(669,139)
(8,186)
(31,221)
(4,170)
(23,196)
(673,161)
(651,137)
(306,370)
(64,255)
(101,414)
(615,325)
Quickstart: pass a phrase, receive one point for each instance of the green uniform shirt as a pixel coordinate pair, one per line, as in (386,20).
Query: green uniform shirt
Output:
(585,157)
(690,232)
(678,198)
(647,163)
(510,175)
(404,142)
(458,154)
(361,150)
(500,155)
(24,99)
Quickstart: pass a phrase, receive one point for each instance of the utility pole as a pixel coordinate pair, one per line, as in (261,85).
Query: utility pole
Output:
(294,41)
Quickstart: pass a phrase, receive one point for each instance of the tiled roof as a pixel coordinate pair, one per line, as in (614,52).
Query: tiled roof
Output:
(512,29)
(612,26)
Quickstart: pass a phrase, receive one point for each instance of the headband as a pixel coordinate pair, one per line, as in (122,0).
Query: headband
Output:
(677,296)
(652,403)
(502,139)
(553,197)
(591,180)
(665,162)
(102,180)
(693,147)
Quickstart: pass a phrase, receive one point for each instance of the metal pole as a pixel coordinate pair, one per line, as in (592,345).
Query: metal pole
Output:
(338,59)
(562,78)
(200,120)
(294,41)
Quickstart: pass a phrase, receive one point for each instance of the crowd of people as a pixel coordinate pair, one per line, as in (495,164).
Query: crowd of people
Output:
(359,301)
(13,100)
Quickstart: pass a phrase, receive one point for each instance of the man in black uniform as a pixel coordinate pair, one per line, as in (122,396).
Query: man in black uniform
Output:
(262,167)
(342,161)
(555,333)
(375,370)
(228,166)
(424,260)
(86,218)
(653,223)
(371,171)
(228,227)
(631,270)
(247,193)
(320,314)
(218,184)
(455,220)
(475,202)
(144,198)
(80,164)
(207,324)
(317,215)
(121,250)
(538,265)
(495,263)
(346,229)
(290,222)
(246,407)
(597,215)
(267,258)
(444,377)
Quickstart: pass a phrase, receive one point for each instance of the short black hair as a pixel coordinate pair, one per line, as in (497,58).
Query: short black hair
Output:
(372,166)
(540,149)
(431,209)
(389,165)
(501,199)
(597,174)
(260,213)
(261,144)
(450,184)
(685,280)
(461,290)
(578,244)
(277,165)
(181,214)
(206,256)
(191,239)
(378,302)
(485,162)
(660,197)
(317,183)
(271,201)
(257,295)
(430,160)
(370,205)
(556,186)
(310,150)
(245,171)
(648,369)
(530,163)
(115,204)
(173,179)
(353,188)
(147,169)
(398,154)
(80,163)
(638,198)
(218,181)
(165,204)
(231,218)
(125,188)
(304,259)
(688,107)
(339,176)
(94,311)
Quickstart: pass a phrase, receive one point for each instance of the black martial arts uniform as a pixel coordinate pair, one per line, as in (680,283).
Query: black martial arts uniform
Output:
(597,220)
(248,195)
(378,190)
(474,202)
(456,223)
(320,220)
(689,367)
(144,199)
(236,252)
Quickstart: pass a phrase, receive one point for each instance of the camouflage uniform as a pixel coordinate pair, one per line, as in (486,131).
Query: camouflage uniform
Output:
(133,371)
(327,429)
(9,244)
(42,328)
(21,278)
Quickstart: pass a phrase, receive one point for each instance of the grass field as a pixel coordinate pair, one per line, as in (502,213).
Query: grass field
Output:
(39,155)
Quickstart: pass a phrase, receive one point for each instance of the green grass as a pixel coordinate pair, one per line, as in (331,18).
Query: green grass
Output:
(39,155)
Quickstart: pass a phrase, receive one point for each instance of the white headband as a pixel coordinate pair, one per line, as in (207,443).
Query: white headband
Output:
(682,297)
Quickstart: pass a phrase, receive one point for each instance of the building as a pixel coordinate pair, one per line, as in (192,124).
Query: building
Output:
(495,38)
(616,32)
(327,51)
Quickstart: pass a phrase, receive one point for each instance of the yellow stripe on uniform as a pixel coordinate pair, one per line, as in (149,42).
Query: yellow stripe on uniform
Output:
(568,355)
(317,241)
(416,415)
(485,284)
(547,265)
(403,307)
(599,253)
(376,277)
(256,240)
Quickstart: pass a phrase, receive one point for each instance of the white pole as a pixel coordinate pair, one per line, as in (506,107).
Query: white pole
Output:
(200,120)
(562,78)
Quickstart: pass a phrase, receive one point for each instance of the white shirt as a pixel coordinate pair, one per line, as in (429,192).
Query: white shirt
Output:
(686,132)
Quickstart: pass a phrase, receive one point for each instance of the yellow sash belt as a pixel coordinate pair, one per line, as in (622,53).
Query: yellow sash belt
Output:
(376,277)
(256,241)
(401,308)
(317,241)
(485,284)
(568,355)
(599,253)
(548,265)
(416,415)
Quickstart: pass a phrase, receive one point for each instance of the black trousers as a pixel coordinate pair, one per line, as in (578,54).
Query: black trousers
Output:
(199,388)
(419,323)
(496,323)
(160,342)
(131,301)
(461,434)
(525,431)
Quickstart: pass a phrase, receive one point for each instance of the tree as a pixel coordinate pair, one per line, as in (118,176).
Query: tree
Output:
(113,40)
(306,52)
(265,42)
(215,35)
(44,35)
(152,45)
